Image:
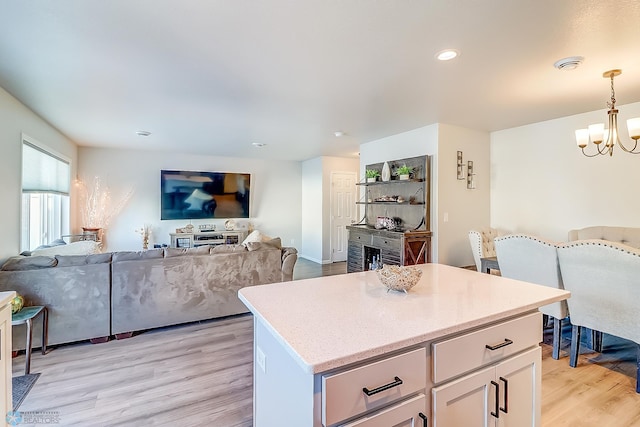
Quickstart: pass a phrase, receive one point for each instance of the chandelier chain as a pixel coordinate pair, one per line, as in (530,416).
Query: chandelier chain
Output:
(612,103)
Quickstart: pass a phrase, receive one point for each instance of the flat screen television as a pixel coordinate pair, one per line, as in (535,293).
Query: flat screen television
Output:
(204,195)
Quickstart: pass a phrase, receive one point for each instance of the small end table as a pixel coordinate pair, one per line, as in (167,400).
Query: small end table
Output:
(488,264)
(26,316)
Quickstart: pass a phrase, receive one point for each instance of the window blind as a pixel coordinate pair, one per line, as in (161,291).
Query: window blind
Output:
(42,172)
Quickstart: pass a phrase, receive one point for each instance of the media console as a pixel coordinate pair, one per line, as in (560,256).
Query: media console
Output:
(191,240)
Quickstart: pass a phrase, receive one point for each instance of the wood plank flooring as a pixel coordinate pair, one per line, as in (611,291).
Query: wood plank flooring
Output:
(201,375)
(194,375)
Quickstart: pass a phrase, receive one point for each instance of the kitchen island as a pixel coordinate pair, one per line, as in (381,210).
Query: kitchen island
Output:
(461,348)
(6,368)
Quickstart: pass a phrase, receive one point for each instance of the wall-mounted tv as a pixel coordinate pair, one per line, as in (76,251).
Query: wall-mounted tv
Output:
(204,195)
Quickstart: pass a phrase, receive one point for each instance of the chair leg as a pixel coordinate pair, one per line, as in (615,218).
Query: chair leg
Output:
(638,371)
(596,340)
(557,337)
(27,356)
(575,346)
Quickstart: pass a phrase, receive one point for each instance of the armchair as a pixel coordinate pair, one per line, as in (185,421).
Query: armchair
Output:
(604,281)
(534,260)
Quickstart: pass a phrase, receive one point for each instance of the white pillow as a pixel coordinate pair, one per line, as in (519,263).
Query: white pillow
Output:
(83,247)
(256,236)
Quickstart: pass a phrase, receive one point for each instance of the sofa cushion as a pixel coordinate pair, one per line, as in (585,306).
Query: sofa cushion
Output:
(83,247)
(29,263)
(222,249)
(270,244)
(136,256)
(74,260)
(198,250)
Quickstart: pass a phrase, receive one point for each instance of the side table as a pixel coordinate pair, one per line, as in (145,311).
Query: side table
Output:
(26,316)
(488,264)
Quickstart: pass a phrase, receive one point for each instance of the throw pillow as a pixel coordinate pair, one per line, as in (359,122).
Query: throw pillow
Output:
(256,236)
(57,242)
(83,247)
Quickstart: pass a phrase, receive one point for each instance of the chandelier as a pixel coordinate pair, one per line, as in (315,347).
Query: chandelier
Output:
(605,139)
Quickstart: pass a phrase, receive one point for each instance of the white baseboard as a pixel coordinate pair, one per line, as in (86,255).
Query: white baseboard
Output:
(317,261)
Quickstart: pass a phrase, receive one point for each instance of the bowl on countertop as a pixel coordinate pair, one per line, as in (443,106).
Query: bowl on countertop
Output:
(397,278)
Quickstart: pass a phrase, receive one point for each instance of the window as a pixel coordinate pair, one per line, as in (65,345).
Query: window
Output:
(45,195)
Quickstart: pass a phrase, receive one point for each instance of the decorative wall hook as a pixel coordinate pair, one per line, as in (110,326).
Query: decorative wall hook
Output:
(471,183)
(460,166)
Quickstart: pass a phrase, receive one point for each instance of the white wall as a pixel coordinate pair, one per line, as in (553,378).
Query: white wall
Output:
(15,119)
(541,183)
(275,192)
(311,247)
(464,209)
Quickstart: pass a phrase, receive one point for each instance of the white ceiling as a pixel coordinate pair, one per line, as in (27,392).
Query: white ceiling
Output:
(214,76)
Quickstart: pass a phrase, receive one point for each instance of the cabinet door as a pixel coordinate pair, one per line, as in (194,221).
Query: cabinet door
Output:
(5,361)
(465,402)
(410,413)
(520,379)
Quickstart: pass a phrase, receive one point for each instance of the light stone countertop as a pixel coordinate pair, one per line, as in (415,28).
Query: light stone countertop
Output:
(6,297)
(332,321)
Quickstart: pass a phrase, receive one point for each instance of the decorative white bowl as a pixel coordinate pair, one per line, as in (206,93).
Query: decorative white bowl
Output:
(397,278)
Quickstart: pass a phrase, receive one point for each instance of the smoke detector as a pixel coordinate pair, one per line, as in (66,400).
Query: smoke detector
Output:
(570,63)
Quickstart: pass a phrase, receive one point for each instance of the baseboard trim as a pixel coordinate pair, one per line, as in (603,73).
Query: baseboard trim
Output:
(317,261)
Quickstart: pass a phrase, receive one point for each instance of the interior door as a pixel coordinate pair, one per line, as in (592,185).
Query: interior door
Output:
(343,212)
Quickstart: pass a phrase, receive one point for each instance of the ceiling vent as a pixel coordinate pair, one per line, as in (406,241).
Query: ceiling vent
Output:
(570,63)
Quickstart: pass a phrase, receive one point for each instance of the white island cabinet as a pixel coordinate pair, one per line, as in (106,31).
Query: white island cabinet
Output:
(460,349)
(6,404)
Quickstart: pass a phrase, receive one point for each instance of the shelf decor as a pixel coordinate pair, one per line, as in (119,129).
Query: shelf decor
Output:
(386,172)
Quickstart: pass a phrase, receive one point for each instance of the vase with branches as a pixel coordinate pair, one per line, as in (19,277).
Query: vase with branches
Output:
(145,233)
(97,208)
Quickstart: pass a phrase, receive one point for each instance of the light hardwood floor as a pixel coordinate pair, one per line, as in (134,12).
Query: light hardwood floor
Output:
(201,375)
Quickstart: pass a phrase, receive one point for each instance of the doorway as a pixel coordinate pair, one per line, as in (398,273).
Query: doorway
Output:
(343,212)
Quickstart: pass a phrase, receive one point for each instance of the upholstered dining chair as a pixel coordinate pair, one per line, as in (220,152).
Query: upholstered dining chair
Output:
(534,260)
(482,244)
(604,281)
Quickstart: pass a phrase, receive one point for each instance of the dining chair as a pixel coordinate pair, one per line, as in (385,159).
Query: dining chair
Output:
(534,260)
(482,244)
(604,281)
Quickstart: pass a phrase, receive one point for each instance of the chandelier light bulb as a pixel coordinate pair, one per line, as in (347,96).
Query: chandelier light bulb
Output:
(633,125)
(597,133)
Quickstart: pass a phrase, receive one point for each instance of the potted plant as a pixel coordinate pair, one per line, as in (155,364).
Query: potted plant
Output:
(372,175)
(403,172)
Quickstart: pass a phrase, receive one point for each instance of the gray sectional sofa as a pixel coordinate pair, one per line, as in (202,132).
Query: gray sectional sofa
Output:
(95,296)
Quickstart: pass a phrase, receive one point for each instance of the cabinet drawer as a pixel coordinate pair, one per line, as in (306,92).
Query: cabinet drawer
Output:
(462,354)
(407,413)
(386,243)
(363,238)
(343,395)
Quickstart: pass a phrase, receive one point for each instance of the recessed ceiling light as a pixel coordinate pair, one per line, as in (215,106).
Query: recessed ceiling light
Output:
(570,63)
(338,134)
(258,144)
(447,54)
(143,133)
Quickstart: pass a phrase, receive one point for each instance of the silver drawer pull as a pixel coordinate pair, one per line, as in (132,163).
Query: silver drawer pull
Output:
(397,381)
(506,342)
